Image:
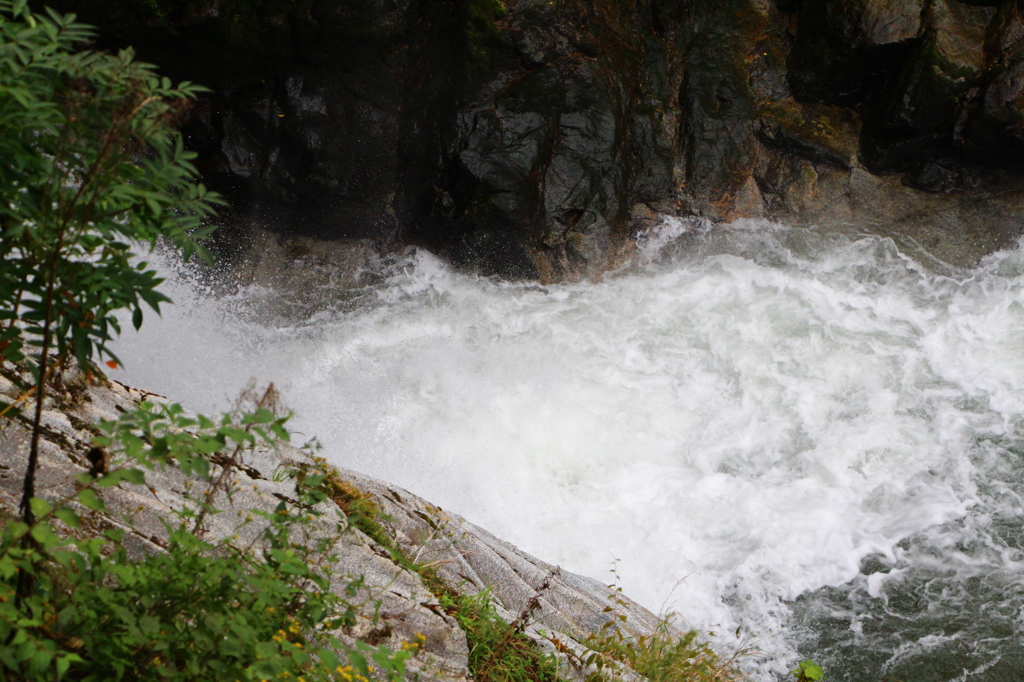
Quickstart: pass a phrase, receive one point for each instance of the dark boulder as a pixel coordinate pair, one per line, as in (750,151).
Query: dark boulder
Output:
(919,110)
(299,131)
(844,49)
(994,132)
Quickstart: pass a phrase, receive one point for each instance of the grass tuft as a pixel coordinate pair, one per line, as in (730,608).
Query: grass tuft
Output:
(498,652)
(665,655)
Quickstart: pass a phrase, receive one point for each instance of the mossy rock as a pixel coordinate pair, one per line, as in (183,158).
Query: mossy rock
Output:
(817,132)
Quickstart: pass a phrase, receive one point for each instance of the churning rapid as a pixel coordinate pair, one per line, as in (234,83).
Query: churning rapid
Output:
(809,439)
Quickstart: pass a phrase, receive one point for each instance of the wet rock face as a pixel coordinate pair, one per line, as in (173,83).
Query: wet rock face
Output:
(934,81)
(532,139)
(538,173)
(296,153)
(925,105)
(842,47)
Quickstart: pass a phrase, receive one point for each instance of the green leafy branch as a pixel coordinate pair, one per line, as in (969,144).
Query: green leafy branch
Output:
(93,165)
(200,607)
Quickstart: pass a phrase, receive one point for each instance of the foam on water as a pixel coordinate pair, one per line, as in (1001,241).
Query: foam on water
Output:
(764,428)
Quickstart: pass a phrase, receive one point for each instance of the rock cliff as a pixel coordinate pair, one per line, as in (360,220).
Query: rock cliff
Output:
(465,558)
(533,138)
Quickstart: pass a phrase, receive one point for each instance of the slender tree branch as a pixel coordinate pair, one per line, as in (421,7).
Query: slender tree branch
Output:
(231,464)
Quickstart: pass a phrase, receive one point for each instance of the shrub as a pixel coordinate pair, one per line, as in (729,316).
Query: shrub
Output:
(201,609)
(90,167)
(664,655)
(498,651)
(91,164)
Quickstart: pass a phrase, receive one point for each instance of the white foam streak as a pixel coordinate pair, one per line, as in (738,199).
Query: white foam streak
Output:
(733,425)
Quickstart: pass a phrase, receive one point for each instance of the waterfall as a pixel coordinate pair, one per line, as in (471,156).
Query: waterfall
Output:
(805,441)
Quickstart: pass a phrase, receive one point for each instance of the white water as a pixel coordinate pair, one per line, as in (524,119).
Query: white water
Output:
(747,417)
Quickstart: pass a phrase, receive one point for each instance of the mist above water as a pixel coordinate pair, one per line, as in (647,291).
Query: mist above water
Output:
(809,438)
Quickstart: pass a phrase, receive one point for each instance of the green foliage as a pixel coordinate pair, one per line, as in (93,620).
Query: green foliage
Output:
(498,651)
(808,671)
(200,609)
(91,165)
(665,655)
